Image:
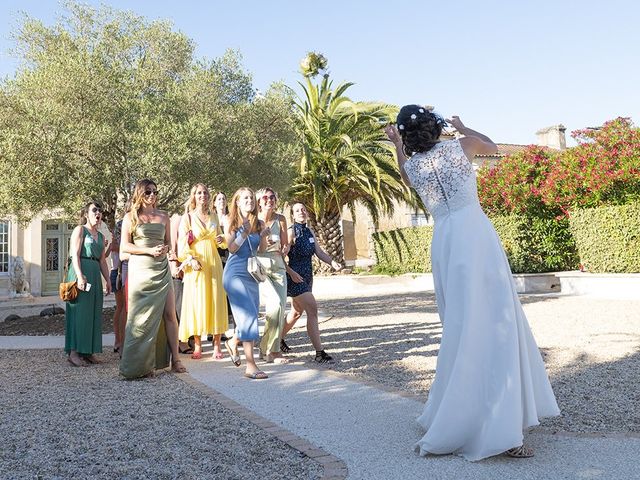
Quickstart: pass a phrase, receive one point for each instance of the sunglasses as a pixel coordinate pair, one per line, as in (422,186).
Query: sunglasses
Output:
(150,192)
(268,197)
(96,210)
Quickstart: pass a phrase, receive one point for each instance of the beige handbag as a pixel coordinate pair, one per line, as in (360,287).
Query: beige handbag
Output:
(254,267)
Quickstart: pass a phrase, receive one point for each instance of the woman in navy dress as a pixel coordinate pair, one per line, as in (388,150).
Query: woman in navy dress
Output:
(245,237)
(303,246)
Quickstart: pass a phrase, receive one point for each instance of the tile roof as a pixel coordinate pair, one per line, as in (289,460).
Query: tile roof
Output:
(505,149)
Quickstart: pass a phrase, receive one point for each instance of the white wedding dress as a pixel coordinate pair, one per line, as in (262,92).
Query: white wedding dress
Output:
(490,380)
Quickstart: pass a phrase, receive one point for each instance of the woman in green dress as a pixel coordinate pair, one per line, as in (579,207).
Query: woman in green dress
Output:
(274,289)
(83,316)
(151,333)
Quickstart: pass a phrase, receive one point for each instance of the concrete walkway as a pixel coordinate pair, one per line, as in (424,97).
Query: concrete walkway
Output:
(373,430)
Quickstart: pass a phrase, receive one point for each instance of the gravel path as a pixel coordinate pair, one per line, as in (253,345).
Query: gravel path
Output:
(64,422)
(591,348)
(86,422)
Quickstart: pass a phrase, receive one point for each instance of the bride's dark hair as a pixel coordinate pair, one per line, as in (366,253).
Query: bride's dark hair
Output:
(419,128)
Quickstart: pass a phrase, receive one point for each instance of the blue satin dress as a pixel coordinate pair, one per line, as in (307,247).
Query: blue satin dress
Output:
(242,289)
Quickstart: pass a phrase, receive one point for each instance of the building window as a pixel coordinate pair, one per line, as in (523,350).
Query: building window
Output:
(4,246)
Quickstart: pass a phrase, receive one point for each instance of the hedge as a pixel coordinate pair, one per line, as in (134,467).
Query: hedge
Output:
(536,244)
(532,244)
(405,250)
(608,238)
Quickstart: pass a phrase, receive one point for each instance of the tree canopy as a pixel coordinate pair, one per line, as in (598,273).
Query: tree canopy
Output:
(104,98)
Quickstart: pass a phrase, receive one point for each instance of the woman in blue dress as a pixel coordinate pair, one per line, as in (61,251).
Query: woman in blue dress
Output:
(303,247)
(245,237)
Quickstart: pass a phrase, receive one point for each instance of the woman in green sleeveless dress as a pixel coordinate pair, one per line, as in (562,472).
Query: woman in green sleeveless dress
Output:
(274,289)
(83,316)
(151,334)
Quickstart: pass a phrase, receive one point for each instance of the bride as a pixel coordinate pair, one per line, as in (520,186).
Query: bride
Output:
(490,380)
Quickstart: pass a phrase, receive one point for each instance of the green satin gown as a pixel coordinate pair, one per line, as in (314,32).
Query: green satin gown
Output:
(145,343)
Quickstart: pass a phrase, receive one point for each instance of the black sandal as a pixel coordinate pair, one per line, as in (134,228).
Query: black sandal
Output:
(284,348)
(323,357)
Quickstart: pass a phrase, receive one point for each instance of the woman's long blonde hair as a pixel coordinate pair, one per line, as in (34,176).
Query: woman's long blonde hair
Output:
(235,218)
(137,197)
(190,204)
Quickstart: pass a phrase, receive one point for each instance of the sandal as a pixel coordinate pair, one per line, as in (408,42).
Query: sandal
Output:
(233,355)
(259,375)
(92,359)
(218,356)
(77,362)
(284,348)
(323,357)
(519,452)
(196,355)
(178,367)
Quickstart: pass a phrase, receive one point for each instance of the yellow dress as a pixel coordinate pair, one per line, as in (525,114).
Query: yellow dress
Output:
(204,302)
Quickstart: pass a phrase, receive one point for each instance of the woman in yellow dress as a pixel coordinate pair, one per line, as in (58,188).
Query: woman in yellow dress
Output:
(204,305)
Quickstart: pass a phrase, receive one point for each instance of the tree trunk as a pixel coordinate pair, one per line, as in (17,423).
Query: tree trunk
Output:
(329,236)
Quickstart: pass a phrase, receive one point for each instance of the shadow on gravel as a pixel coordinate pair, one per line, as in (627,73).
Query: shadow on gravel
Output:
(396,303)
(401,353)
(596,396)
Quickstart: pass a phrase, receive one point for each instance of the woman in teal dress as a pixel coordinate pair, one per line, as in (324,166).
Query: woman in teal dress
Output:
(83,316)
(151,334)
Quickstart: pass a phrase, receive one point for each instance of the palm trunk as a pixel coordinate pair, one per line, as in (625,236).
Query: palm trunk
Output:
(329,236)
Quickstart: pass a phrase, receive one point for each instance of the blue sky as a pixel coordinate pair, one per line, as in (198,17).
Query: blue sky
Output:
(507,68)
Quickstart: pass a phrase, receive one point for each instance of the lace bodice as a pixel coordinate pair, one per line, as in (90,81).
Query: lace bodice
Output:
(444,178)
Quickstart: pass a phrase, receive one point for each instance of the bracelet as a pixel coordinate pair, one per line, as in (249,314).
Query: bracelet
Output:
(239,244)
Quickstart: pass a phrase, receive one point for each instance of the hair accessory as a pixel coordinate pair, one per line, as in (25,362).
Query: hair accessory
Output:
(421,110)
(413,116)
(400,127)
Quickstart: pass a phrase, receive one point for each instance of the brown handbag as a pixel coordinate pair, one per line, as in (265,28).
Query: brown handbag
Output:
(68,290)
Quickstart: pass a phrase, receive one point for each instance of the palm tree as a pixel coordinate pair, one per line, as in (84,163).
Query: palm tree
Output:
(345,158)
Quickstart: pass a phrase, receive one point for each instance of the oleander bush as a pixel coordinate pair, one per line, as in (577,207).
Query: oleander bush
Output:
(604,169)
(608,238)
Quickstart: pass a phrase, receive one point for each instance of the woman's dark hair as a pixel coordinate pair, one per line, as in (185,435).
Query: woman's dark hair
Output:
(419,128)
(84,213)
(213,202)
